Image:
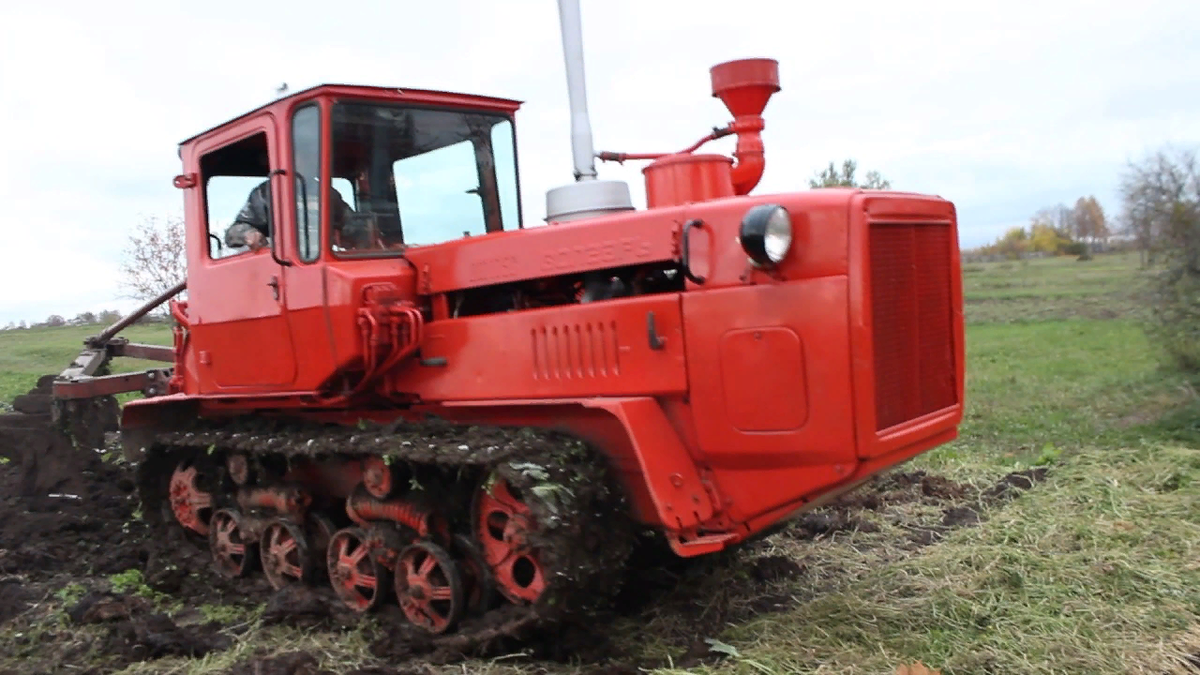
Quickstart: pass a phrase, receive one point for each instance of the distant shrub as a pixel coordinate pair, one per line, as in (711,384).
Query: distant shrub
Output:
(972,269)
(1174,315)
(1162,203)
(1077,248)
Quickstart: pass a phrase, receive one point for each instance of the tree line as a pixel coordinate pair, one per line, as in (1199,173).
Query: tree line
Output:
(104,318)
(1055,230)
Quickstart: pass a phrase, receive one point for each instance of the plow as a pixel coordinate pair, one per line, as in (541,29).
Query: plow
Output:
(413,397)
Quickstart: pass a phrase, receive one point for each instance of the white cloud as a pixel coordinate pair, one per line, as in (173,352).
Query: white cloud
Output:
(1001,107)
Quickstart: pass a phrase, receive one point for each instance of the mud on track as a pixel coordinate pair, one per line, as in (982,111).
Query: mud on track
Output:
(59,606)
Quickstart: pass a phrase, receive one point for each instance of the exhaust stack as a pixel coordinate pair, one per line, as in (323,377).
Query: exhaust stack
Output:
(587,196)
(582,150)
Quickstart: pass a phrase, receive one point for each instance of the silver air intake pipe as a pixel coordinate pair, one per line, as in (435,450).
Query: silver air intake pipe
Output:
(587,197)
(581,127)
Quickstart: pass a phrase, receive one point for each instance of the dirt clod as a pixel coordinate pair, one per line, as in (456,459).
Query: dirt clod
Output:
(291,663)
(775,568)
(1015,483)
(817,523)
(33,404)
(98,607)
(301,606)
(15,597)
(960,516)
(156,635)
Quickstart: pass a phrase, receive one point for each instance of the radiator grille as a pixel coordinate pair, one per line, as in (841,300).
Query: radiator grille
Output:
(575,351)
(912,319)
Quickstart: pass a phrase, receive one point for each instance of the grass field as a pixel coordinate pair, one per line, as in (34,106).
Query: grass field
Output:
(26,355)
(1096,569)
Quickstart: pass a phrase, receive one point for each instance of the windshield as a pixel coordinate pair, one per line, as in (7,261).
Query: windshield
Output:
(417,176)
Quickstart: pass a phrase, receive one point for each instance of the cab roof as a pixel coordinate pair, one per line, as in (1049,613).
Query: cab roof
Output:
(387,94)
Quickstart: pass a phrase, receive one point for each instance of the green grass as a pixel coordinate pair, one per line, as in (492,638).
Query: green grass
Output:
(1087,573)
(1051,288)
(26,355)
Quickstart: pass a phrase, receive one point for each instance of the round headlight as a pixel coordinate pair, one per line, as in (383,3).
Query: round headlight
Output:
(767,233)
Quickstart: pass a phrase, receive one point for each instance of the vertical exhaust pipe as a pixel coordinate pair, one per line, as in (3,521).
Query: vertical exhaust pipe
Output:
(582,149)
(587,197)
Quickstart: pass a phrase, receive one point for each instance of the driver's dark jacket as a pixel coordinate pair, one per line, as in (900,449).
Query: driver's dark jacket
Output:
(256,214)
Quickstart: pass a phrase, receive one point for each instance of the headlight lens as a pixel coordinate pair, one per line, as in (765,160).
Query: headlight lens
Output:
(766,233)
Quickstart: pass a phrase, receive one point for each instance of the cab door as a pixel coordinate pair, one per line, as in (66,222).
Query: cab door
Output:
(237,297)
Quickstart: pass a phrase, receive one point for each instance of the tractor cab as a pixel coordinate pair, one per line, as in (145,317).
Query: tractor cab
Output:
(406,168)
(333,175)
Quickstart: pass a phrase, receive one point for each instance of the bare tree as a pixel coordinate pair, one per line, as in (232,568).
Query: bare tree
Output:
(1161,207)
(1158,197)
(1097,220)
(831,177)
(155,259)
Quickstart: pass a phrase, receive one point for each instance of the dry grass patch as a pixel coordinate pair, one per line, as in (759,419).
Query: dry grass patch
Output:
(1086,573)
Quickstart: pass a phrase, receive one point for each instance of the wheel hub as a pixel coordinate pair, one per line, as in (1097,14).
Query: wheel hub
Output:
(356,575)
(504,525)
(190,505)
(285,554)
(429,587)
(232,553)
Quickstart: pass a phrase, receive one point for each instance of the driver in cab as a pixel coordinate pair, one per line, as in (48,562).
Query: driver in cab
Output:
(252,225)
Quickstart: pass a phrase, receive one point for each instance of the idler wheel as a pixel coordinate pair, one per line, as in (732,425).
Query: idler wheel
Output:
(428,587)
(285,554)
(480,592)
(233,555)
(191,506)
(356,576)
(503,525)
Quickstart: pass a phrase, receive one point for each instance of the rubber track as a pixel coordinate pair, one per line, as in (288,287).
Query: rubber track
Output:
(584,537)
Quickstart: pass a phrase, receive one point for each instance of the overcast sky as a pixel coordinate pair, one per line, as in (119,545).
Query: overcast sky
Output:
(1002,107)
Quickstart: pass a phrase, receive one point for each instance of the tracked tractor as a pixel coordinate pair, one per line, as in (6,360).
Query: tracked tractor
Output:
(405,390)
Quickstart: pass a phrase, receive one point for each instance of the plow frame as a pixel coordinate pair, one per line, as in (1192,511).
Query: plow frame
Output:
(80,380)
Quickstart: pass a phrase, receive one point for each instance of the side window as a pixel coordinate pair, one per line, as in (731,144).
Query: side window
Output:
(237,195)
(306,158)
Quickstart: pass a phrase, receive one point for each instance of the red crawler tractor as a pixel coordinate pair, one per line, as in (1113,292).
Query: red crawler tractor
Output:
(400,389)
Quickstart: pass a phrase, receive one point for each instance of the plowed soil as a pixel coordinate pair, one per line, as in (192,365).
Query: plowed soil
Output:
(68,598)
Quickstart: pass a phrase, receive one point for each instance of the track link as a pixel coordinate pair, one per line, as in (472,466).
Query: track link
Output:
(582,537)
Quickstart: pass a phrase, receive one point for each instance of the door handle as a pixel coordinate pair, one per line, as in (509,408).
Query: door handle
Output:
(274,284)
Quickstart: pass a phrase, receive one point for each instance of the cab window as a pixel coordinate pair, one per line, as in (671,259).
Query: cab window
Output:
(236,190)
(420,176)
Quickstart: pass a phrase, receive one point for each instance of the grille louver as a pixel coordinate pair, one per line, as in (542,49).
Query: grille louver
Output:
(912,320)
